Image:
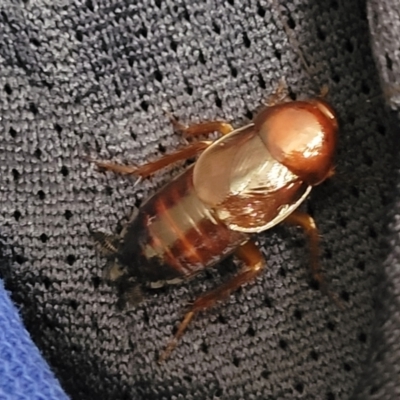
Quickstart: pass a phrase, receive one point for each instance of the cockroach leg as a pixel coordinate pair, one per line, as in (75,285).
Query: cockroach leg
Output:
(202,128)
(253,265)
(307,223)
(146,170)
(206,128)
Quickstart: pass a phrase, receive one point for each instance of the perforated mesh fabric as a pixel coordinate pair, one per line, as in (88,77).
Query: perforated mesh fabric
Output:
(93,77)
(381,377)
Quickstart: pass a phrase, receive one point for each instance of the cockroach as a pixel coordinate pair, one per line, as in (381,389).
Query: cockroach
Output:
(245,182)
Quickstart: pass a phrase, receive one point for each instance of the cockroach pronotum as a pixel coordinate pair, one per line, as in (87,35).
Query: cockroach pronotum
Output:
(243,183)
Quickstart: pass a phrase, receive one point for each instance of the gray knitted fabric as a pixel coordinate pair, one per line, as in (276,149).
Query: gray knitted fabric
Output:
(381,378)
(93,77)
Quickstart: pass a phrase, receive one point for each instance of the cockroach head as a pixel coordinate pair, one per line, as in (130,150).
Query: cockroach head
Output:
(301,135)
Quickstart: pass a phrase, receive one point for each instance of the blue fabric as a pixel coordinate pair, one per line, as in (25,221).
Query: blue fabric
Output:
(24,374)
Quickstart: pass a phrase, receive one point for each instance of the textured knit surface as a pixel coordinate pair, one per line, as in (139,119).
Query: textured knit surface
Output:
(92,77)
(24,375)
(381,378)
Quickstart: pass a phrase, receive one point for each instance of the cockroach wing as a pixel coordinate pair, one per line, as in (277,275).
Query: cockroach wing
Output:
(245,186)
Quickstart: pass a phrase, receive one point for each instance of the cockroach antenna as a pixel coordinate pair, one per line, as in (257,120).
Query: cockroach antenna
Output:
(293,41)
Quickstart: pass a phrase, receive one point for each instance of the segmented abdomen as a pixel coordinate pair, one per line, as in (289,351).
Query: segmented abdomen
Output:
(175,235)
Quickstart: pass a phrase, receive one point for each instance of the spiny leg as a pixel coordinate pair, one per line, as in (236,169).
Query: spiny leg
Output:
(253,261)
(307,223)
(206,128)
(202,128)
(150,168)
(191,150)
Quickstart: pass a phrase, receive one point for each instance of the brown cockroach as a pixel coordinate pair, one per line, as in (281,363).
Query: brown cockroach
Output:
(245,182)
